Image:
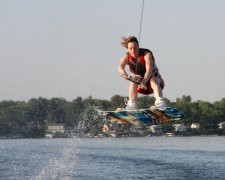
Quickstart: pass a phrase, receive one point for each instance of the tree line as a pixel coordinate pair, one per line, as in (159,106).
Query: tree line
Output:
(31,118)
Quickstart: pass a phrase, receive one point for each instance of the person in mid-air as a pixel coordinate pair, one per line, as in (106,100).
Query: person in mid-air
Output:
(142,66)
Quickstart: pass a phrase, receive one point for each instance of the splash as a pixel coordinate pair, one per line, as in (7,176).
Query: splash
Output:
(64,166)
(91,121)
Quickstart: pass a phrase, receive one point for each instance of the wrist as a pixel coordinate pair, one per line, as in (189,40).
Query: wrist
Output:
(144,81)
(122,73)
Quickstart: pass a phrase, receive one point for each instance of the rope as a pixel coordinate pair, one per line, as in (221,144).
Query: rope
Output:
(142,10)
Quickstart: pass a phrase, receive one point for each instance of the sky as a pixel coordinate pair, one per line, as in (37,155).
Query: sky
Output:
(66,49)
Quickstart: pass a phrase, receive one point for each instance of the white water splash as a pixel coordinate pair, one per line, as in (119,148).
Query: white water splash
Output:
(63,167)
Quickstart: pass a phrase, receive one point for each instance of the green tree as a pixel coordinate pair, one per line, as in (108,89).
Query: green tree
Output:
(56,112)
(18,118)
(117,101)
(73,111)
(36,113)
(145,102)
(12,118)
(207,115)
(220,107)
(184,104)
(97,103)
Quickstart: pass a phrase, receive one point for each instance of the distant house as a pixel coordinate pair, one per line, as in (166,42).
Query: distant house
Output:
(195,126)
(221,125)
(180,128)
(55,130)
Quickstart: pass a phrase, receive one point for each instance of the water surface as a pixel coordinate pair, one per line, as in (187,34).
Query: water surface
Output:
(113,158)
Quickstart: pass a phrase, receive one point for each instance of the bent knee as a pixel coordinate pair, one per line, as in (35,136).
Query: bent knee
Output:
(154,81)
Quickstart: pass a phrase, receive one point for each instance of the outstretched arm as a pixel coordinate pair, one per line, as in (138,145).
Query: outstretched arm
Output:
(121,67)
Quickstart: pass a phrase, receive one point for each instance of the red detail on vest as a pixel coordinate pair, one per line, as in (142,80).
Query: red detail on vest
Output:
(140,58)
(137,66)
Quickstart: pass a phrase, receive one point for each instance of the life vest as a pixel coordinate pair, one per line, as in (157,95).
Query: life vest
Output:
(137,66)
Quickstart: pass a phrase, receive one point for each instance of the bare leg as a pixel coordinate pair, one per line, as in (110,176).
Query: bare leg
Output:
(133,92)
(159,100)
(155,81)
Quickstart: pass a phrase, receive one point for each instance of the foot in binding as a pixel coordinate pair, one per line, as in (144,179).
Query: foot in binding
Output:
(130,105)
(160,103)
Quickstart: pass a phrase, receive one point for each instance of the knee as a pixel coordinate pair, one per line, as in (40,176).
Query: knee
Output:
(133,86)
(154,81)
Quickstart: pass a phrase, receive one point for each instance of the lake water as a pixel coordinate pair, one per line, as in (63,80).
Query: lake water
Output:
(193,158)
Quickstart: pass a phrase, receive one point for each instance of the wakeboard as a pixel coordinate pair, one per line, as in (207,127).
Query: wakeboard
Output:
(139,117)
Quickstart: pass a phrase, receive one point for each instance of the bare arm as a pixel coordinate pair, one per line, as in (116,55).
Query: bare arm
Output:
(148,66)
(122,64)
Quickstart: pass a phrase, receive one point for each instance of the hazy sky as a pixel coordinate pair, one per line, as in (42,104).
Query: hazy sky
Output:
(57,48)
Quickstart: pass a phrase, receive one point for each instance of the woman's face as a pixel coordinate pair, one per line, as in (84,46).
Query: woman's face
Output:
(133,49)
